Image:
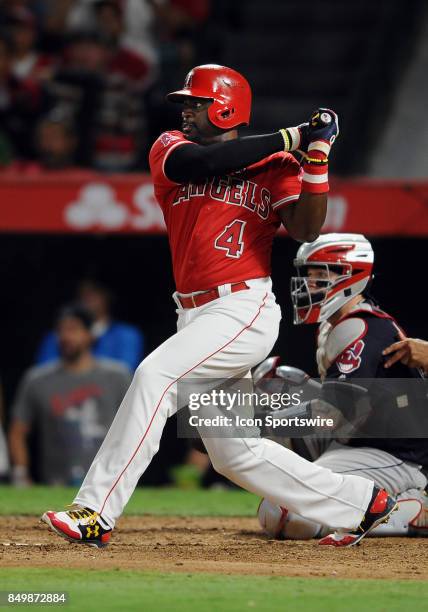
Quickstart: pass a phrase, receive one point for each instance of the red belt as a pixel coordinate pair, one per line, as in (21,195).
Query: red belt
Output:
(193,301)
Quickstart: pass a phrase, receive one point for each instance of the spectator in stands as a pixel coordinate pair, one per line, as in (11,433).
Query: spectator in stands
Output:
(110,20)
(101,86)
(113,339)
(29,66)
(120,125)
(6,147)
(76,87)
(56,143)
(69,405)
(9,6)
(180,25)
(64,16)
(19,107)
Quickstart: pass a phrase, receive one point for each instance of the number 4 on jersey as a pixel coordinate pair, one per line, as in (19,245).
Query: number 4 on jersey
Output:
(230,240)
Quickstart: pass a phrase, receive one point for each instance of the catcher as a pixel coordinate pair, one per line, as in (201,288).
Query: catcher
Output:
(331,288)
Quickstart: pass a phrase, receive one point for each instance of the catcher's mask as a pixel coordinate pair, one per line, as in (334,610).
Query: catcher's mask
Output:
(330,272)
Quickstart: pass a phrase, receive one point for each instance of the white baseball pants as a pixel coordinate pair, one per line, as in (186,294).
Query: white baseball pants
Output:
(221,339)
(403,480)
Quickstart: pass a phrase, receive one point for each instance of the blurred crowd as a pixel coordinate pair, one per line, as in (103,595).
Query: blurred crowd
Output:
(82,82)
(66,401)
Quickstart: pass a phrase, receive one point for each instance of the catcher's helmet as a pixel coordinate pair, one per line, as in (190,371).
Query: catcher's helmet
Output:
(348,255)
(229,90)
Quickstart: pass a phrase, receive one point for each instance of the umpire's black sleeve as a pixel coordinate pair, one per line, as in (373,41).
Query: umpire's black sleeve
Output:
(192,163)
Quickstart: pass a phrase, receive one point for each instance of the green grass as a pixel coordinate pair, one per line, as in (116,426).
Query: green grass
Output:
(125,590)
(95,590)
(167,501)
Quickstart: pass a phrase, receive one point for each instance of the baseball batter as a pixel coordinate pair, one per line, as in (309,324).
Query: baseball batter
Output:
(223,198)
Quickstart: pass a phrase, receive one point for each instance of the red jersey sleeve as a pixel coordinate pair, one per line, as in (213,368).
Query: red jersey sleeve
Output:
(285,180)
(159,152)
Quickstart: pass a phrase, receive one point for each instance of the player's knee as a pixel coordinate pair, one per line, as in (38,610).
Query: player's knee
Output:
(149,380)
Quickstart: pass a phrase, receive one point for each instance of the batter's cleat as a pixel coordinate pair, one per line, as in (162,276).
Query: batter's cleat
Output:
(79,525)
(379,510)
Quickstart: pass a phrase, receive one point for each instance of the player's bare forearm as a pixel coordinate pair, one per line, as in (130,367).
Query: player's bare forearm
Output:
(18,443)
(20,473)
(304,219)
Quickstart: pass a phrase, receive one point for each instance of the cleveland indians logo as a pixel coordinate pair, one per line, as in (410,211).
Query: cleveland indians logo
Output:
(350,360)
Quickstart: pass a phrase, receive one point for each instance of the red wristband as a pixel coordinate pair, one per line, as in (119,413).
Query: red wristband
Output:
(315,173)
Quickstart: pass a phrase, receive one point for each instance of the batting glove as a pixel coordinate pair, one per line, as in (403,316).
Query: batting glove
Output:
(296,138)
(323,130)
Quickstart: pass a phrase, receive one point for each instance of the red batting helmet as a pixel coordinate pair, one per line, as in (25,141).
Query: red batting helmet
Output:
(229,90)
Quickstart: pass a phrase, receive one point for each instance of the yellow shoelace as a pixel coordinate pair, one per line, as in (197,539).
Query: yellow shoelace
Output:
(82,513)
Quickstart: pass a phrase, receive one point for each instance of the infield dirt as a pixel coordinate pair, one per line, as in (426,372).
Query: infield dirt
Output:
(223,545)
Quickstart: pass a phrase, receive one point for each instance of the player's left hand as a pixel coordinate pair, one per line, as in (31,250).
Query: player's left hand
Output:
(296,138)
(323,130)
